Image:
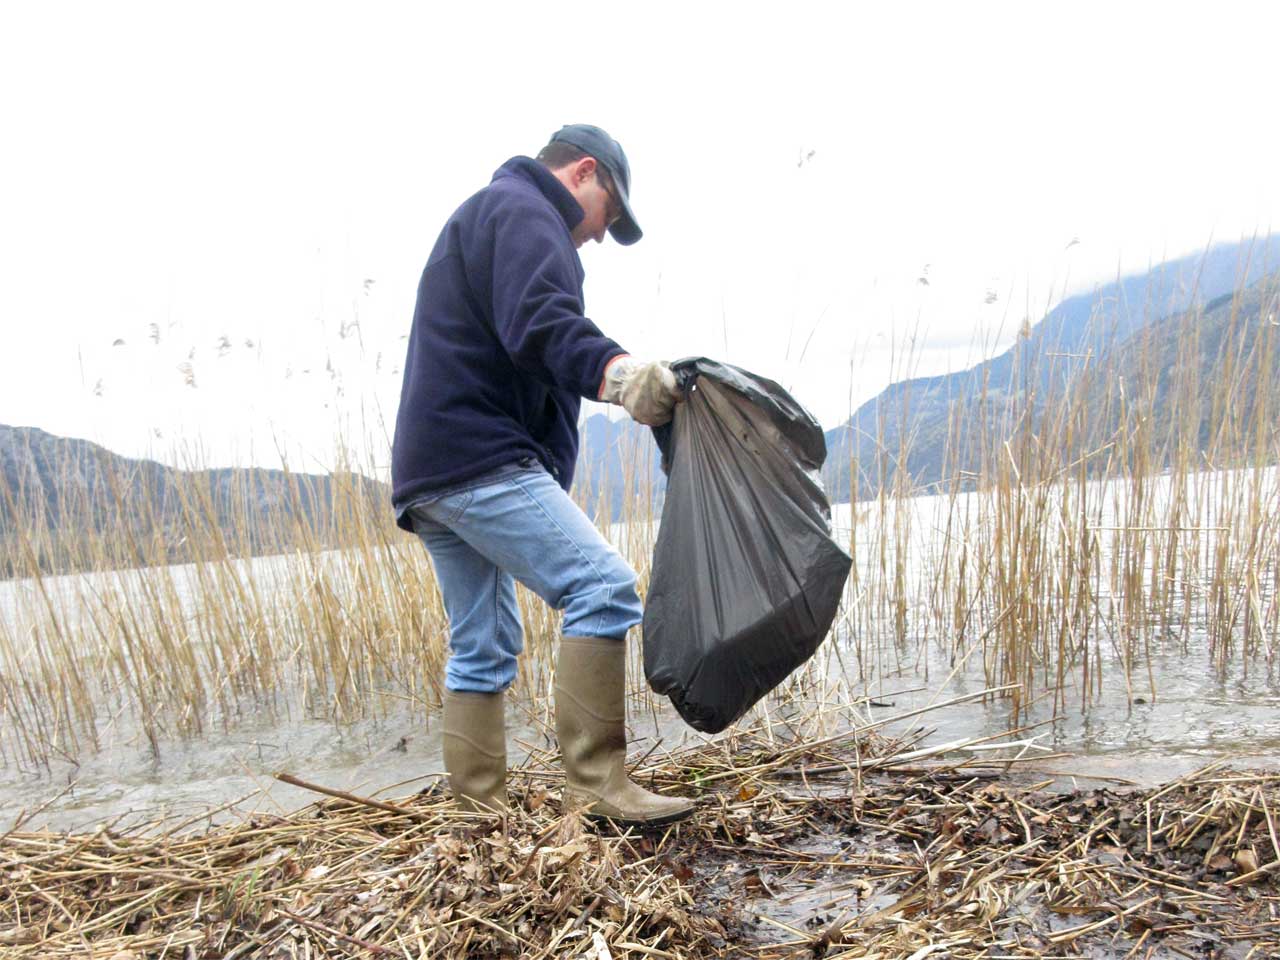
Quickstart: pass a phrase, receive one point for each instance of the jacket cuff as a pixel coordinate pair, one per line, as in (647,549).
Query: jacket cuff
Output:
(604,377)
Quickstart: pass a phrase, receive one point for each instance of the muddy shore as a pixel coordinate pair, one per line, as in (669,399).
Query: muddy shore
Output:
(852,847)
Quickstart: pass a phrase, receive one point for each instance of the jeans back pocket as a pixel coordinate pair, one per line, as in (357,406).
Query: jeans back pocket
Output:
(445,508)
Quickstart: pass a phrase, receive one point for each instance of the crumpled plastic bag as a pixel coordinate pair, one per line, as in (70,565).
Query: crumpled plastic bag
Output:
(746,578)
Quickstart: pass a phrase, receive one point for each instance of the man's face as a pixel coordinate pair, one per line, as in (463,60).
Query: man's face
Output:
(595,192)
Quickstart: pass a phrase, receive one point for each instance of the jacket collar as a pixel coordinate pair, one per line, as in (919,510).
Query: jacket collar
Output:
(531,171)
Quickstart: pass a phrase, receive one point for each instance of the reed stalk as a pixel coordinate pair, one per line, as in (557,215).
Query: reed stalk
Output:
(1096,513)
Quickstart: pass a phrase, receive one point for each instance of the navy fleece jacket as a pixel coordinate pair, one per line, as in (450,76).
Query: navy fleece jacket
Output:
(500,351)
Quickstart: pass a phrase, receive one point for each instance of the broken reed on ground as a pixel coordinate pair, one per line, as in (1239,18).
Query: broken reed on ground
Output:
(839,847)
(1071,546)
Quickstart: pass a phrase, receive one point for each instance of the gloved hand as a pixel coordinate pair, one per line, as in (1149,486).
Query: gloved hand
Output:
(647,391)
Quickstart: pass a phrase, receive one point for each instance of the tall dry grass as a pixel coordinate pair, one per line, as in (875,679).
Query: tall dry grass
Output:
(341,618)
(1083,530)
(1093,525)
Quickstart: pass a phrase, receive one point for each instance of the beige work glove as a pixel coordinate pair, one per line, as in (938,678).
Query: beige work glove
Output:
(646,390)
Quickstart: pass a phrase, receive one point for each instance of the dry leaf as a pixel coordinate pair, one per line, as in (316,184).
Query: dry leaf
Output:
(557,856)
(1246,861)
(756,883)
(679,869)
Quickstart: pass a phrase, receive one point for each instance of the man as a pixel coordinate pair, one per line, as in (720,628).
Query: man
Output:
(485,446)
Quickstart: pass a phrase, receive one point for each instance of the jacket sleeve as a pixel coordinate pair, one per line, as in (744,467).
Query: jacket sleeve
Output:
(537,308)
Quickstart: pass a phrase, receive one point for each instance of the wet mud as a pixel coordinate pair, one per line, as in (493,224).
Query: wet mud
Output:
(951,865)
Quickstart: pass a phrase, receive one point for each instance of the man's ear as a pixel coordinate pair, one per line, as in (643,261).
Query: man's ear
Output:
(585,171)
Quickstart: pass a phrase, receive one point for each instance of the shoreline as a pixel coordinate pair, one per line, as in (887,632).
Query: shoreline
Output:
(843,848)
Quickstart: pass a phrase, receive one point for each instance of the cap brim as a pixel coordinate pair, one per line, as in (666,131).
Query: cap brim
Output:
(626,231)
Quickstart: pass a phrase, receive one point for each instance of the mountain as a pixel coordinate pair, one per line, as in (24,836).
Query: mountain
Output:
(1203,384)
(1193,340)
(611,455)
(70,504)
(902,435)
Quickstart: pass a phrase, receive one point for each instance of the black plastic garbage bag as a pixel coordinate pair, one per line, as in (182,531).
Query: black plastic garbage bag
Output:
(746,577)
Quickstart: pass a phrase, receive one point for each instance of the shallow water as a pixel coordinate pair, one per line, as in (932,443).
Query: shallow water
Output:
(1195,719)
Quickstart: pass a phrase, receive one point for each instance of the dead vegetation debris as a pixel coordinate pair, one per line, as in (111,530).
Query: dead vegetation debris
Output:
(828,849)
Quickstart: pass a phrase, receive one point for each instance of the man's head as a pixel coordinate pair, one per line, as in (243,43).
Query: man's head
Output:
(594,169)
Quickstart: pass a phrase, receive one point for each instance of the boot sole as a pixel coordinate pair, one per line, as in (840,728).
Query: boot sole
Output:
(635,822)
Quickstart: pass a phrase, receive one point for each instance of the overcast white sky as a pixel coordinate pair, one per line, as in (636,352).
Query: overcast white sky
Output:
(244,194)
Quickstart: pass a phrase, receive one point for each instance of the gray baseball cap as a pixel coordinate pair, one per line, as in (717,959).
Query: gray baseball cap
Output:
(609,154)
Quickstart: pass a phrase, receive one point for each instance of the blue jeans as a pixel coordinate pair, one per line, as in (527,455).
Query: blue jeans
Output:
(516,523)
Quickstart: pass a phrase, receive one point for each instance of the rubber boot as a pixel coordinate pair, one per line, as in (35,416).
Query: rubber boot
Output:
(591,727)
(475,750)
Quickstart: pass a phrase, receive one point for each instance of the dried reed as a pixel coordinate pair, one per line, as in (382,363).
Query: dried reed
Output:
(1071,546)
(852,845)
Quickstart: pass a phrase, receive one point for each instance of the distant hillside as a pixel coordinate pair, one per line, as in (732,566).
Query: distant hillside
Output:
(916,416)
(1204,383)
(57,493)
(1203,377)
